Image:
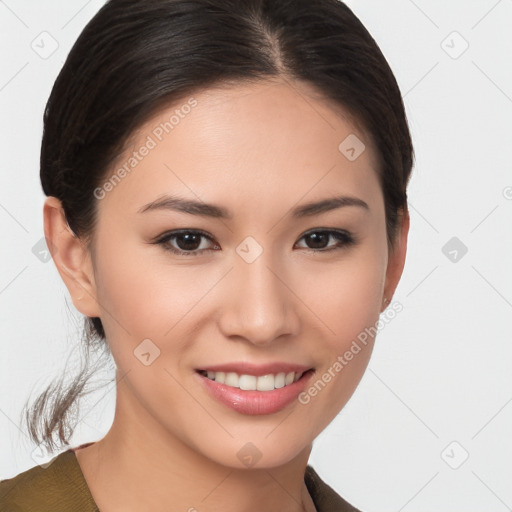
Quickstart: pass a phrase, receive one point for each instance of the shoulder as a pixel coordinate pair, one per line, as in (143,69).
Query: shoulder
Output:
(326,499)
(56,487)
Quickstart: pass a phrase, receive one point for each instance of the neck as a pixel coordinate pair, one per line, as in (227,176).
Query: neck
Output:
(130,470)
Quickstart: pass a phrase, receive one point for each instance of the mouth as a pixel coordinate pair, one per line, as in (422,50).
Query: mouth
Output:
(249,394)
(249,382)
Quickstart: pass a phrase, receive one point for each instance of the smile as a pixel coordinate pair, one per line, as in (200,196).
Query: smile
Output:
(247,382)
(254,395)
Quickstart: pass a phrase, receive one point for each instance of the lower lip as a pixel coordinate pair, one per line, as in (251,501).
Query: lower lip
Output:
(255,402)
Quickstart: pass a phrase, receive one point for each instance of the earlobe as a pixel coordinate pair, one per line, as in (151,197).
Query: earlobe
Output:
(396,260)
(71,257)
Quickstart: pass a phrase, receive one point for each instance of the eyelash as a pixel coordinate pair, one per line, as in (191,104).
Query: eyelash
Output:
(345,238)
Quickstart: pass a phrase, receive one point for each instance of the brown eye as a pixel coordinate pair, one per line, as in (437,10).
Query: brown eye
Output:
(188,242)
(318,240)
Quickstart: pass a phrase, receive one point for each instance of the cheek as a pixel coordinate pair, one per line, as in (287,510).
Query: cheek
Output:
(145,295)
(345,296)
(133,286)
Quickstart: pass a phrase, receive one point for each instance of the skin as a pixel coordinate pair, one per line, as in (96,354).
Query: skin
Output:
(258,150)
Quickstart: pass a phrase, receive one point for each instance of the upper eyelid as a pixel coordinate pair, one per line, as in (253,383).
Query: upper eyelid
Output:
(178,232)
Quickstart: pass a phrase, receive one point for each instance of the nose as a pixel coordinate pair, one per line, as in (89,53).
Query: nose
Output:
(259,304)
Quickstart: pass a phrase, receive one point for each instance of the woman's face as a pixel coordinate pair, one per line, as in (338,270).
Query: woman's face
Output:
(260,285)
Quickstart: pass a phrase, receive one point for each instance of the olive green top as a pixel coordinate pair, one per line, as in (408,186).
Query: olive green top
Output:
(61,487)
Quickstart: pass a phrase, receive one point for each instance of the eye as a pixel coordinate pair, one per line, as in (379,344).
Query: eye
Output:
(189,241)
(319,237)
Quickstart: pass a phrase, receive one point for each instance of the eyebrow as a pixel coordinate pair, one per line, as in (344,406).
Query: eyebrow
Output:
(202,209)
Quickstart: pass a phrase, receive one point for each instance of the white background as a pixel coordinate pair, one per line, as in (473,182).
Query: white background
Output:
(440,371)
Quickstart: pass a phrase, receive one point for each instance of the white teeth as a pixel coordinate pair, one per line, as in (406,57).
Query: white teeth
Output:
(246,381)
(251,382)
(232,379)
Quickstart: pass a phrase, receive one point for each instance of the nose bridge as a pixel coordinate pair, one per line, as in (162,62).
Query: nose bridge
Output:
(260,308)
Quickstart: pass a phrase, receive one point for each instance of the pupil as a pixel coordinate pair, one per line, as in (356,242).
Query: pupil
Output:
(188,240)
(316,236)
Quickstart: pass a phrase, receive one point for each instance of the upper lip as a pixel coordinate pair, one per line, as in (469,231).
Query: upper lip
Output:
(257,369)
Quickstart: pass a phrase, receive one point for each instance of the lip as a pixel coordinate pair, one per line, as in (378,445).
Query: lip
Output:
(256,402)
(255,369)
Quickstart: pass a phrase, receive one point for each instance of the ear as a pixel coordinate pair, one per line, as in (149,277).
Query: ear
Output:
(71,257)
(396,260)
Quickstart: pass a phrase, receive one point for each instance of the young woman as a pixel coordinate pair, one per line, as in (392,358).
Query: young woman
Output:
(227,206)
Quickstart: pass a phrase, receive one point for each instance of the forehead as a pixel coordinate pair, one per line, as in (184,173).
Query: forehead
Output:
(248,144)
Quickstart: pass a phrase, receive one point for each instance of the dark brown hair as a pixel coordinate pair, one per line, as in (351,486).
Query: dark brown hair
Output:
(136,56)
